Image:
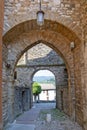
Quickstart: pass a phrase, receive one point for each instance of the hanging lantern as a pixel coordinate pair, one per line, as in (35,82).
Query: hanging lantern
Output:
(40,16)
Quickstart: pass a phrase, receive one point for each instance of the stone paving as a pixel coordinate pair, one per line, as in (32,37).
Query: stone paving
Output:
(35,119)
(22,127)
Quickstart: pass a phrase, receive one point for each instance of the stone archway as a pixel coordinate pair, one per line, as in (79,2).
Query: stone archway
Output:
(60,84)
(58,37)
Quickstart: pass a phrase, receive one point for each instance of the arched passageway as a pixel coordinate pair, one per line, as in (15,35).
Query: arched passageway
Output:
(21,38)
(32,61)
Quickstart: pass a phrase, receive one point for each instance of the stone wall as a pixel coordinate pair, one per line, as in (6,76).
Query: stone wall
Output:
(4,95)
(7,88)
(22,100)
(38,54)
(25,78)
(67,27)
(62,99)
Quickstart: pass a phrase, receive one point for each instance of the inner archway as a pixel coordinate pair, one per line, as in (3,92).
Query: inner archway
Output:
(46,79)
(32,62)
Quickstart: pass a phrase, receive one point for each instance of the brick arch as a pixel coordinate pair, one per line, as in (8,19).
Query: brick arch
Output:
(28,26)
(66,22)
(57,36)
(56,28)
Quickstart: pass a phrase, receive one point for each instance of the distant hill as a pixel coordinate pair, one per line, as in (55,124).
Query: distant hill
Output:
(44,79)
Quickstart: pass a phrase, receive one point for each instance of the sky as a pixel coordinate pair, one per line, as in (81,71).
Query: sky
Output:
(44,73)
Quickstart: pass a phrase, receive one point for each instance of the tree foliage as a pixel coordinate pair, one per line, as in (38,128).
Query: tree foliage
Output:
(36,88)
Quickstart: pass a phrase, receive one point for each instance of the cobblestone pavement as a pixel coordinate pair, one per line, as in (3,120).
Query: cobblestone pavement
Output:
(59,121)
(36,119)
